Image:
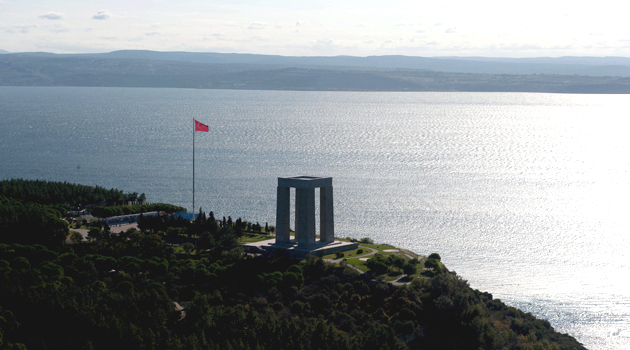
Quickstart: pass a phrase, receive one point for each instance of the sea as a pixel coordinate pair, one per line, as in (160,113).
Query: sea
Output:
(524,195)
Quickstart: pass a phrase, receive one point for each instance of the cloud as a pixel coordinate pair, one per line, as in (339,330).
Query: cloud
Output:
(60,28)
(324,42)
(152,33)
(52,15)
(215,37)
(257,25)
(21,29)
(298,23)
(450,31)
(102,15)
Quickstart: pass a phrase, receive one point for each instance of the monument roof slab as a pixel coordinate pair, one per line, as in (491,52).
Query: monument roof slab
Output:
(305,182)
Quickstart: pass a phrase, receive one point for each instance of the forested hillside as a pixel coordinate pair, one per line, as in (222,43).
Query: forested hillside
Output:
(133,290)
(31,211)
(52,192)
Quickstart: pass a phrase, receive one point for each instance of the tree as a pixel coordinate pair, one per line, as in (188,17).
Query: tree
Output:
(106,227)
(201,217)
(189,247)
(435,256)
(366,240)
(434,264)
(396,261)
(409,269)
(76,237)
(377,265)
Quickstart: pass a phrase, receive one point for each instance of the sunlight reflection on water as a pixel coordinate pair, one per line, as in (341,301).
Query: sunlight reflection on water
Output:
(524,195)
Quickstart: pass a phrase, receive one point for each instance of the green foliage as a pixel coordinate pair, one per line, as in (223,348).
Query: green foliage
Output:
(435,256)
(30,223)
(409,268)
(50,192)
(435,265)
(118,291)
(366,240)
(246,303)
(95,233)
(378,265)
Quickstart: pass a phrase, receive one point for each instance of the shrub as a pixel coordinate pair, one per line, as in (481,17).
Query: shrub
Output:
(435,256)
(409,269)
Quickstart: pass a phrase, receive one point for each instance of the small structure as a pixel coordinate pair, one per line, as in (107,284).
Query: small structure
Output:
(305,240)
(127,219)
(305,210)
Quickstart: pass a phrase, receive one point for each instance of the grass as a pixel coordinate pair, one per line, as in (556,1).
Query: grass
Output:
(348,253)
(359,264)
(254,237)
(352,258)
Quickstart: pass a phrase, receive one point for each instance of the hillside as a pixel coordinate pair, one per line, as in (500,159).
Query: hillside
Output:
(132,289)
(260,72)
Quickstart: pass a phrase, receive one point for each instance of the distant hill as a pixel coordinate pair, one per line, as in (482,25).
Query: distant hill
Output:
(2,51)
(347,73)
(591,66)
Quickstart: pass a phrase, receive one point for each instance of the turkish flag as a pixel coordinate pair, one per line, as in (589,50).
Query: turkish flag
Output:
(200,126)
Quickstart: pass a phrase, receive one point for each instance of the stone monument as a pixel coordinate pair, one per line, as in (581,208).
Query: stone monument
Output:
(305,241)
(305,210)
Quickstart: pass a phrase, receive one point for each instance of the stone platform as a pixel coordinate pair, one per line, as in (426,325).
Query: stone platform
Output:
(299,251)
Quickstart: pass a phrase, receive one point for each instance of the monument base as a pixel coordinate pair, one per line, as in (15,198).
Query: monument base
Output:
(295,250)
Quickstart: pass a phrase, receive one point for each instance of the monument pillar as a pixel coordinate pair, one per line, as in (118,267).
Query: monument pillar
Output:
(326,216)
(305,216)
(283,215)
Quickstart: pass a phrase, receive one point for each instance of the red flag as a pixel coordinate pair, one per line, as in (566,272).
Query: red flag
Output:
(201,127)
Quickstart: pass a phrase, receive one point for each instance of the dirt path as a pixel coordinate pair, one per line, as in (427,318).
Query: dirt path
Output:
(373,251)
(124,227)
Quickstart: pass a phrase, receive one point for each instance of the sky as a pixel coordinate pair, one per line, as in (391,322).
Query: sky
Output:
(532,28)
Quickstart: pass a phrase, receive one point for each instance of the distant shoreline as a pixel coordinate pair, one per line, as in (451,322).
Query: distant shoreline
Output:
(291,74)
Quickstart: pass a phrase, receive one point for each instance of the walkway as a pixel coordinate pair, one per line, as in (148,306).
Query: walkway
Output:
(373,251)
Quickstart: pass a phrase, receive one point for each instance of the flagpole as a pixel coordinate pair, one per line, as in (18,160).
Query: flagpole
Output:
(193,209)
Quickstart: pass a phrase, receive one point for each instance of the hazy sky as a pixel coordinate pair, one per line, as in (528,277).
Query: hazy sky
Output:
(530,28)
